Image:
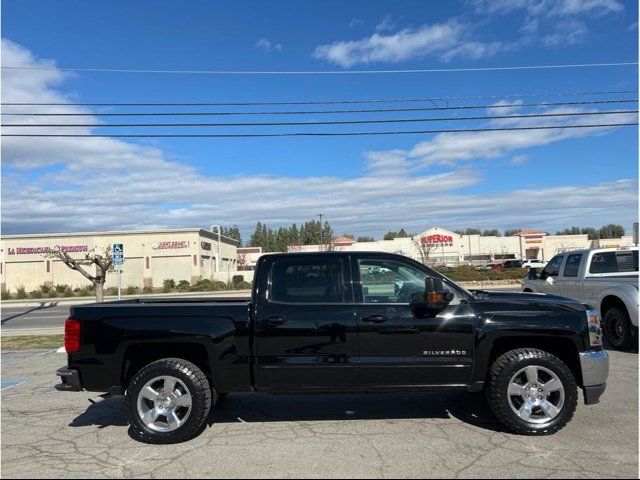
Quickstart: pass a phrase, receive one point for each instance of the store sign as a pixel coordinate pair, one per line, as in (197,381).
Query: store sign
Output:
(42,250)
(437,240)
(170,245)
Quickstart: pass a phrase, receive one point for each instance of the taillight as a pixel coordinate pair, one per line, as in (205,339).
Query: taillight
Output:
(594,324)
(71,335)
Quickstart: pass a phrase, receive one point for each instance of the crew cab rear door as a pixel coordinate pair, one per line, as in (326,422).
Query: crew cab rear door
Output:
(305,328)
(396,347)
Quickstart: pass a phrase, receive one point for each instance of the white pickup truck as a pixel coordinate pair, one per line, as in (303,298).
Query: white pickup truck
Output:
(606,279)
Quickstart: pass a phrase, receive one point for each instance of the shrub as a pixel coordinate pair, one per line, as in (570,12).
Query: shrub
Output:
(6,295)
(168,285)
(45,288)
(147,289)
(183,286)
(131,290)
(236,279)
(112,291)
(218,285)
(21,293)
(242,285)
(68,292)
(84,292)
(61,288)
(36,293)
(201,286)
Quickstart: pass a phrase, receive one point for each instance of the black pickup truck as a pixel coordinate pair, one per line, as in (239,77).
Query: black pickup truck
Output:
(338,322)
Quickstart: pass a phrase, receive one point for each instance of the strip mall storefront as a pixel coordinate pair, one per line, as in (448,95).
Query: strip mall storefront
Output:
(439,246)
(151,256)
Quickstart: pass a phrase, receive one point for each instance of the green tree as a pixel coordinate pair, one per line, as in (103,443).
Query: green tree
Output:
(366,238)
(511,232)
(491,233)
(611,231)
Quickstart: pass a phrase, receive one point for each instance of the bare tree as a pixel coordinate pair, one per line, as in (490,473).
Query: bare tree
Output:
(425,250)
(101,259)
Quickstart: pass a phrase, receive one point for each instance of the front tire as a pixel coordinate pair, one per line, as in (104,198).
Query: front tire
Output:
(168,401)
(617,329)
(532,392)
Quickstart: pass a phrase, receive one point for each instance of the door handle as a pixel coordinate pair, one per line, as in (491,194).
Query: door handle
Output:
(276,320)
(374,319)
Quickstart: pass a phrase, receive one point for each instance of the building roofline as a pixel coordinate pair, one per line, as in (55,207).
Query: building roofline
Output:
(99,233)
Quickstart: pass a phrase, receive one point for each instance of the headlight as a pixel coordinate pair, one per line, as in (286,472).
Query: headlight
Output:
(594,324)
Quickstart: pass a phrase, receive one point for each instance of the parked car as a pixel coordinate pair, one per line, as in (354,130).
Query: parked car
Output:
(604,278)
(496,266)
(534,263)
(512,264)
(486,266)
(343,331)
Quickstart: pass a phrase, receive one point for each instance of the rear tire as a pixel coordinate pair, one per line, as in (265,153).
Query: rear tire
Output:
(168,401)
(618,330)
(529,403)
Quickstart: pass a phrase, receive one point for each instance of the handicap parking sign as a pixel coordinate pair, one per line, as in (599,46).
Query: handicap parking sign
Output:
(117,253)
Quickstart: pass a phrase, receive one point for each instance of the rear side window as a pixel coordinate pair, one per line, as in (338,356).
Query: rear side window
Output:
(572,266)
(614,262)
(308,281)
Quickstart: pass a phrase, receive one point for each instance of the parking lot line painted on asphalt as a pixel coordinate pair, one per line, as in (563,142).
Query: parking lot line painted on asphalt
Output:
(9,383)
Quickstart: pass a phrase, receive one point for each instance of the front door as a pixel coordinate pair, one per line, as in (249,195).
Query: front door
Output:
(305,329)
(396,347)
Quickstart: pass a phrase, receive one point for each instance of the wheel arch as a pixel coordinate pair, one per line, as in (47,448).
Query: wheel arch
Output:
(563,348)
(137,356)
(610,301)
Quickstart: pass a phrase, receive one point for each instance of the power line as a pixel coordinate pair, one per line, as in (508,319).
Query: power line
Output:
(330,122)
(322,112)
(331,72)
(321,102)
(317,134)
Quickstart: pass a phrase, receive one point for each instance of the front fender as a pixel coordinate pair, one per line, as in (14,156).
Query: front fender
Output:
(525,328)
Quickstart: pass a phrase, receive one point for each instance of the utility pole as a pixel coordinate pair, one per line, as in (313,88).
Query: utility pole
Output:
(218,254)
(321,228)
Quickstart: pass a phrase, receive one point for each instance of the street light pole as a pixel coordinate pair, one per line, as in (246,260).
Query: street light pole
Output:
(218,254)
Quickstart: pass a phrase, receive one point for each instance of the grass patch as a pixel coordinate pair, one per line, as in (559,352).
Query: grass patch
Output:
(29,342)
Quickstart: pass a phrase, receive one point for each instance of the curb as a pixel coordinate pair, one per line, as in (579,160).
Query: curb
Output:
(46,302)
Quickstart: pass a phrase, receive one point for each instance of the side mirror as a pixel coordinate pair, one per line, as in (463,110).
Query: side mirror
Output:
(533,274)
(433,300)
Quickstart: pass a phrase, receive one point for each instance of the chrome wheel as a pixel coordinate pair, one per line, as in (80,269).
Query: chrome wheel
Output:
(164,404)
(536,394)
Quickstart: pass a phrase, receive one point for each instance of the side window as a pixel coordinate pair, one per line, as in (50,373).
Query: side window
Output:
(572,266)
(308,280)
(627,261)
(389,281)
(553,267)
(604,262)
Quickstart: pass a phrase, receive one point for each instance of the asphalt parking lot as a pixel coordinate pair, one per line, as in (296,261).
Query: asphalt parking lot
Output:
(48,434)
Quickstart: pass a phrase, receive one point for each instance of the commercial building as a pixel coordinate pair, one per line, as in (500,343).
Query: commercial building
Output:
(151,256)
(440,246)
(192,254)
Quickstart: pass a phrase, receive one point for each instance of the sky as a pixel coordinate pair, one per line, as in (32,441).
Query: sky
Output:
(546,179)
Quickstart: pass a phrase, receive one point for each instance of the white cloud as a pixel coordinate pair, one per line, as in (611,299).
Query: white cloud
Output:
(356,22)
(519,159)
(443,40)
(548,7)
(268,46)
(66,184)
(451,149)
(387,24)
